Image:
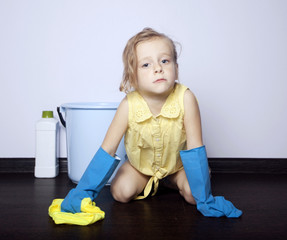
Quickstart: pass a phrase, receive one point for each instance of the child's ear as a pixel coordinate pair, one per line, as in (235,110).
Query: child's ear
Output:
(176,71)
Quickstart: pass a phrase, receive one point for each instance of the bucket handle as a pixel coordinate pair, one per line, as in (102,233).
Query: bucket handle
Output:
(61,117)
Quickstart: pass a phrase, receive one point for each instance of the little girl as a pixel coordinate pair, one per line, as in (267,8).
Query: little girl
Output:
(159,117)
(161,122)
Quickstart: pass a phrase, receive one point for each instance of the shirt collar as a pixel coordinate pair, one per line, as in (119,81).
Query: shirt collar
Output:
(170,109)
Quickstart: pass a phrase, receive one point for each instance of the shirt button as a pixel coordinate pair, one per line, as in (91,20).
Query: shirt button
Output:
(158,155)
(157,139)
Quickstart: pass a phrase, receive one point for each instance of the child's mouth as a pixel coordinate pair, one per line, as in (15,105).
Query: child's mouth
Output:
(159,80)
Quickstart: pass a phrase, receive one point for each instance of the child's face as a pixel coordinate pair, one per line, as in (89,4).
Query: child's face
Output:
(156,69)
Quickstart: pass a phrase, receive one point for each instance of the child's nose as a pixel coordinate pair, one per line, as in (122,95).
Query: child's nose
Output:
(158,68)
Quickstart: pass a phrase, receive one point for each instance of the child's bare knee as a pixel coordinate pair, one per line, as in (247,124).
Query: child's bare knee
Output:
(186,193)
(122,193)
(120,198)
(190,199)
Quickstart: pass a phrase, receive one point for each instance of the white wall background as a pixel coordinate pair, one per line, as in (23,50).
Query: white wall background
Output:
(234,58)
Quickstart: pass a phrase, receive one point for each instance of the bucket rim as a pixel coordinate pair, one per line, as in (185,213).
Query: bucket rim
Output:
(91,105)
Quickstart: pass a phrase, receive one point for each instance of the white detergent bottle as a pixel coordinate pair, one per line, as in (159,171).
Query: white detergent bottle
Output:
(46,160)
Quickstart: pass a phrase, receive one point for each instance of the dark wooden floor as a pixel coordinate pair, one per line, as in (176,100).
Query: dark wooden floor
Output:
(263,199)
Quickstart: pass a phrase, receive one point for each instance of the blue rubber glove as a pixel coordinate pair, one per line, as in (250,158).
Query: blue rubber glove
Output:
(196,168)
(91,183)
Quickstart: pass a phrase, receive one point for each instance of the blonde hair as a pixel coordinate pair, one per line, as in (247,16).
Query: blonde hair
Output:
(129,80)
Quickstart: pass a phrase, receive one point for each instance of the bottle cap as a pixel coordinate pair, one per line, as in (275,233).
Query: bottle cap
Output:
(47,114)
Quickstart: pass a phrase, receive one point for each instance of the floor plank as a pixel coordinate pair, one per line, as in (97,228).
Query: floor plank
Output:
(262,198)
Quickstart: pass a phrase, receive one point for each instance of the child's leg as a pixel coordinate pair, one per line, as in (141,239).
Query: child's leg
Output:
(179,180)
(128,183)
(195,165)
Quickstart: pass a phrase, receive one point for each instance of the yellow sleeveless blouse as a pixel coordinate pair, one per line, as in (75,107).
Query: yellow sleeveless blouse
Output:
(153,142)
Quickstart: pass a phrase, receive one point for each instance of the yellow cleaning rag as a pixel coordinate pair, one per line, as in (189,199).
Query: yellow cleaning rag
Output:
(89,215)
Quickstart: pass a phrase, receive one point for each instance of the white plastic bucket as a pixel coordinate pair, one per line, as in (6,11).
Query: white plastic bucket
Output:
(86,126)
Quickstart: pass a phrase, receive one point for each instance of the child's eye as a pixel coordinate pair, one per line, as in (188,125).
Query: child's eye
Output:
(145,65)
(165,61)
